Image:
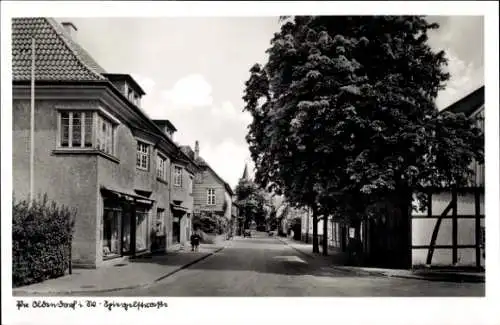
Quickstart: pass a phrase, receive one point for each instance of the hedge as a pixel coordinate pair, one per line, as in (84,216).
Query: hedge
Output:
(210,223)
(41,240)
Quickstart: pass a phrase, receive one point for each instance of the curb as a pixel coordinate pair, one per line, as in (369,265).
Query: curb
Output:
(451,278)
(185,266)
(437,278)
(298,250)
(135,286)
(338,268)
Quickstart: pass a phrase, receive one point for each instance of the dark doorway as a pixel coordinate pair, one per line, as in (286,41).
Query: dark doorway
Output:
(388,239)
(176,230)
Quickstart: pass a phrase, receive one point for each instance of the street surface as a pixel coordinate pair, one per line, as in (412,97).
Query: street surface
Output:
(264,266)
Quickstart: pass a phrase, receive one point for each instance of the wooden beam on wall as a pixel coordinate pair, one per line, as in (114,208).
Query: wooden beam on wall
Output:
(435,231)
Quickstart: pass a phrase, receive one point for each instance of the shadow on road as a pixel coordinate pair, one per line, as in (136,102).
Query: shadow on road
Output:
(262,255)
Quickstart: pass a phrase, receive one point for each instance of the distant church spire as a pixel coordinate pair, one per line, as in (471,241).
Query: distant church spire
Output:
(245,173)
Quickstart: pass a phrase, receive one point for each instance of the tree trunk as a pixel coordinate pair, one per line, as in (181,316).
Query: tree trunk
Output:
(325,235)
(315,230)
(307,227)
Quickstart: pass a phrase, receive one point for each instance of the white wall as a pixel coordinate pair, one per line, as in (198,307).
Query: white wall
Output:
(422,231)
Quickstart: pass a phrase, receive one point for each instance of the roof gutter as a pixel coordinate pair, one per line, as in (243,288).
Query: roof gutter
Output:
(115,91)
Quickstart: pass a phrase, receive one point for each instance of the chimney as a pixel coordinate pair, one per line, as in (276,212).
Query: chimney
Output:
(70,29)
(196,150)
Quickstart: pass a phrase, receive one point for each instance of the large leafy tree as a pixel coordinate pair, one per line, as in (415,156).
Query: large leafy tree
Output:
(251,200)
(344,115)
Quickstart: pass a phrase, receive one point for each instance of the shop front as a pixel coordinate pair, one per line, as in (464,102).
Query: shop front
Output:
(125,224)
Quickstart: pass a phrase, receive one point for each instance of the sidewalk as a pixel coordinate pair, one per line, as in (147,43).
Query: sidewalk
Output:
(133,273)
(337,261)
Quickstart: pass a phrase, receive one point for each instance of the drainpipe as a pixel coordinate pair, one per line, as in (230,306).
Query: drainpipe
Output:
(171,212)
(133,229)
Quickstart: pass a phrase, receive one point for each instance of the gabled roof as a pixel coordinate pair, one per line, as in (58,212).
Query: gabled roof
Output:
(468,104)
(57,56)
(226,185)
(203,164)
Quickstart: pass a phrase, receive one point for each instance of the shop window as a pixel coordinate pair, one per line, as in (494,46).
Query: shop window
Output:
(141,239)
(111,232)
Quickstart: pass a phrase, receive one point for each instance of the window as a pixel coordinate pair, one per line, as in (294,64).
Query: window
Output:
(137,100)
(104,135)
(131,95)
(161,167)
(190,185)
(160,219)
(142,155)
(211,196)
(177,176)
(85,129)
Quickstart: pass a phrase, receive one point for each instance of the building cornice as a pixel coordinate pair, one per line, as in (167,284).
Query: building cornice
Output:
(106,94)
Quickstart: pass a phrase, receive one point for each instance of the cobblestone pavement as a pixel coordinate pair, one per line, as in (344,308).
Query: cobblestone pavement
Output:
(265,266)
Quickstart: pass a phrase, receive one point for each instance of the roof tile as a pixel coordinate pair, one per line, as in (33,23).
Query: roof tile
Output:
(57,56)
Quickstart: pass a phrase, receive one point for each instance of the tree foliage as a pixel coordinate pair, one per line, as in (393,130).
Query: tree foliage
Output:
(252,200)
(344,113)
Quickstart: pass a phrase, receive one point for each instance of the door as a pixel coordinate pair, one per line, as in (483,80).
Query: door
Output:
(176,230)
(141,228)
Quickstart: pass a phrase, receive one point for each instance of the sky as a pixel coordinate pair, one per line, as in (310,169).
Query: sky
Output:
(193,71)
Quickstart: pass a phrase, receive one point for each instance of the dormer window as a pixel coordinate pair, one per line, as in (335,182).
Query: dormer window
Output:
(127,86)
(137,100)
(131,95)
(167,127)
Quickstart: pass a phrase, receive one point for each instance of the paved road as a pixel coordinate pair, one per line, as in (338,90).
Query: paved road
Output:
(264,266)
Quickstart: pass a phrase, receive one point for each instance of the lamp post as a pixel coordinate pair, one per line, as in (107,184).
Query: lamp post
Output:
(32,123)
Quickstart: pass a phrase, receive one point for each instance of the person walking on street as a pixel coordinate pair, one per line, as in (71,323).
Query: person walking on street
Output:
(195,241)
